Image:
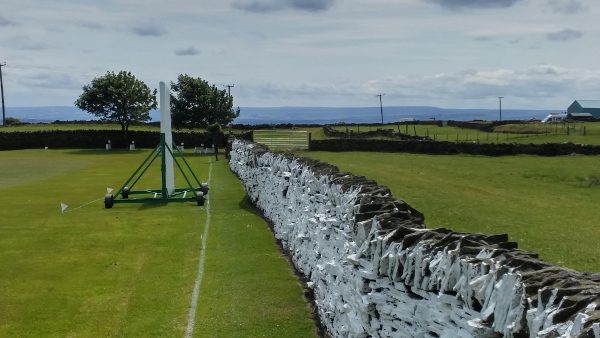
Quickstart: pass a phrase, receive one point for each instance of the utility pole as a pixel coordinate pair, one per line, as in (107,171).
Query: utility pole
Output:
(380,107)
(500,102)
(229,89)
(229,93)
(2,93)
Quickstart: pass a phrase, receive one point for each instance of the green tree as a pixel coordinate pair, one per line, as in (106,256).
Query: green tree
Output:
(12,121)
(120,98)
(195,103)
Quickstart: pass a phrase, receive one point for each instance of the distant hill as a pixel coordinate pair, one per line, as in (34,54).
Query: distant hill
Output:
(372,114)
(47,114)
(321,115)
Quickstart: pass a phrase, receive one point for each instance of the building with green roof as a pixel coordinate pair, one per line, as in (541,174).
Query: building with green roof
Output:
(585,106)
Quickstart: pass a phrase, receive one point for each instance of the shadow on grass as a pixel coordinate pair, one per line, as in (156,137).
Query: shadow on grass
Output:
(152,205)
(124,152)
(246,204)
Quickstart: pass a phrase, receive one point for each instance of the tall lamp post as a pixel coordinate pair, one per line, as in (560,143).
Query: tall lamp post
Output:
(2,94)
(380,107)
(500,102)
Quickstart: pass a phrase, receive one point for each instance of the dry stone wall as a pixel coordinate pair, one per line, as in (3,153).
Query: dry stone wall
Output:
(376,271)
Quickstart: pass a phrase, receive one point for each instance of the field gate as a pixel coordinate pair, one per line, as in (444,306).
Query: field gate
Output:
(283,139)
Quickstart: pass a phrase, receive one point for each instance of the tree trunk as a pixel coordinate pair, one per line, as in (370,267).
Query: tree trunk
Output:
(215,144)
(125,131)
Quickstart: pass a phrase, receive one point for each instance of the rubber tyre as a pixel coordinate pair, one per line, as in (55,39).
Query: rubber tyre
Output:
(200,198)
(125,192)
(109,200)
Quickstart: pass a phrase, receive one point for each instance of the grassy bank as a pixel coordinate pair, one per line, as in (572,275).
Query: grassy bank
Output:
(547,205)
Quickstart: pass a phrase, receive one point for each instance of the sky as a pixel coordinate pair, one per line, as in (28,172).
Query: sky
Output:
(537,54)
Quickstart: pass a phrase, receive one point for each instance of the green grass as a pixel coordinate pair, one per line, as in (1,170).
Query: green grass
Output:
(130,270)
(251,292)
(549,205)
(518,133)
(316,133)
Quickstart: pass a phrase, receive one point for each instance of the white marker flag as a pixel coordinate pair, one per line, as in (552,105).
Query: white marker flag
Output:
(63,207)
(109,190)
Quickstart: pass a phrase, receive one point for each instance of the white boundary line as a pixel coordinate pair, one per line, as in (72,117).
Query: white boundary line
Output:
(83,205)
(193,305)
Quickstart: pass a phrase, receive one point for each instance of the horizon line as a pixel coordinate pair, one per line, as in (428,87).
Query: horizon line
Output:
(323,107)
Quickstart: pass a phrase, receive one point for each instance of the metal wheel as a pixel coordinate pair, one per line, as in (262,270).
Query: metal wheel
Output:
(125,192)
(108,201)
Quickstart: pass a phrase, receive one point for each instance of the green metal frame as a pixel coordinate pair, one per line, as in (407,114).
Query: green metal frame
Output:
(161,195)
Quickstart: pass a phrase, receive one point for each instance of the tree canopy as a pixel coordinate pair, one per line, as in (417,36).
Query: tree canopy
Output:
(120,98)
(196,103)
(11,121)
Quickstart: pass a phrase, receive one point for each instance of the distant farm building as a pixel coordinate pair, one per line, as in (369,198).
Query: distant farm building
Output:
(581,108)
(580,116)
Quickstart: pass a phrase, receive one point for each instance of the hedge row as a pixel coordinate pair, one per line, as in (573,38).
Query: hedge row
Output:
(91,139)
(266,126)
(449,148)
(329,131)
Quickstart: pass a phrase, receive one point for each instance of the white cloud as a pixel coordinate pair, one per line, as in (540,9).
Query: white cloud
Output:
(546,86)
(534,82)
(501,77)
(310,52)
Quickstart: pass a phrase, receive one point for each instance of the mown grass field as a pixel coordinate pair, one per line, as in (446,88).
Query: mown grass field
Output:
(130,271)
(549,205)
